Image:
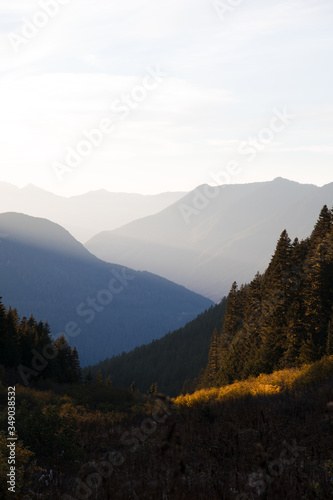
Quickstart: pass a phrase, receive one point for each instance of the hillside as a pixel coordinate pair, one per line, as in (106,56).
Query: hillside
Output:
(83,215)
(283,318)
(231,236)
(170,361)
(265,437)
(104,309)
(270,438)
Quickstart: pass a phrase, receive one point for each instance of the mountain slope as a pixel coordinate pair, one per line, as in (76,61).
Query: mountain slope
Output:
(170,361)
(230,238)
(84,215)
(103,309)
(283,318)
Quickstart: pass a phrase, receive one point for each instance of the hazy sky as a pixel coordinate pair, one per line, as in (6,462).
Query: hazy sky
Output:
(224,71)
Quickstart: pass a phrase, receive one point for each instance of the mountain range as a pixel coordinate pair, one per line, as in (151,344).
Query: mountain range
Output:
(102,308)
(214,236)
(84,215)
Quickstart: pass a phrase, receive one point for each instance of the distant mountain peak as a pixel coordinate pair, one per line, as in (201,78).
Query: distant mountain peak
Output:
(231,232)
(40,232)
(47,273)
(283,179)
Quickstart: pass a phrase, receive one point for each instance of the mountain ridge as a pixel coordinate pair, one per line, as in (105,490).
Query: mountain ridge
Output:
(114,307)
(83,215)
(234,233)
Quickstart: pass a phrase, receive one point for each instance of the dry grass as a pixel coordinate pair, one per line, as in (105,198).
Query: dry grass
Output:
(269,437)
(264,385)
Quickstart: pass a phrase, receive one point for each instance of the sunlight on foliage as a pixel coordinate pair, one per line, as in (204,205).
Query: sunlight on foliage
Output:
(282,380)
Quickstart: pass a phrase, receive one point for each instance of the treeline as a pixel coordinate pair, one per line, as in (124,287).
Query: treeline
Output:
(170,361)
(29,353)
(283,318)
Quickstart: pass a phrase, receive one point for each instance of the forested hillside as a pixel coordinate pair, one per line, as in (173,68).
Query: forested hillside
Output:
(170,361)
(103,309)
(283,318)
(28,353)
(265,437)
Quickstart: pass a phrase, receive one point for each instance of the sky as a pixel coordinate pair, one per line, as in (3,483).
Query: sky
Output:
(157,96)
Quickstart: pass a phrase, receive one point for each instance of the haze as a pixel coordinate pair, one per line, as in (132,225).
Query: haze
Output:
(224,77)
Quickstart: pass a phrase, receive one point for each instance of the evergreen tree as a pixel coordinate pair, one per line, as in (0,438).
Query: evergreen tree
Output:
(283,318)
(76,368)
(295,331)
(276,297)
(64,372)
(275,282)
(317,293)
(322,227)
(211,371)
(224,375)
(89,377)
(294,336)
(23,340)
(250,332)
(308,352)
(12,338)
(99,379)
(232,318)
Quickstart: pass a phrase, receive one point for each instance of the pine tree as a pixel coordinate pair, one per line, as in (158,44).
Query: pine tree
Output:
(276,298)
(210,374)
(224,375)
(231,318)
(285,318)
(294,336)
(250,332)
(322,227)
(76,368)
(317,292)
(12,338)
(308,352)
(99,379)
(89,377)
(276,278)
(63,363)
(23,340)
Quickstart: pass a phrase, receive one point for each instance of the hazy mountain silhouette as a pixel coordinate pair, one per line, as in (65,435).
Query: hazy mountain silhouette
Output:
(231,238)
(44,271)
(85,215)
